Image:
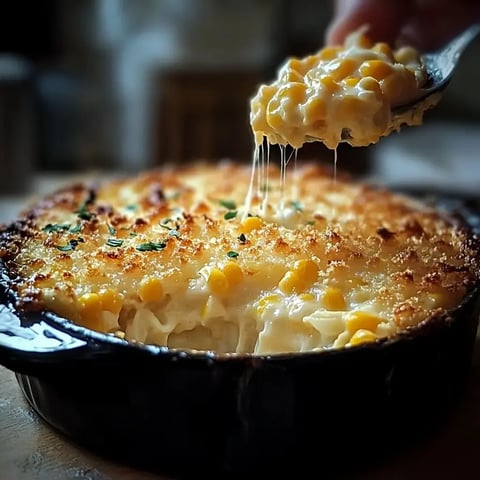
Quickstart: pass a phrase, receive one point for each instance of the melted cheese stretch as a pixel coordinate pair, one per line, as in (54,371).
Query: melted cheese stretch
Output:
(171,258)
(342,93)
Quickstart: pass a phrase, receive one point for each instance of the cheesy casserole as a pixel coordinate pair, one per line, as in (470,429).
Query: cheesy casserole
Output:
(171,257)
(342,93)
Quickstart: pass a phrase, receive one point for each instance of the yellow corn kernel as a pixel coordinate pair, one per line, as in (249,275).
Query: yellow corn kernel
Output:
(307,270)
(361,321)
(333,299)
(291,282)
(329,84)
(351,81)
(345,68)
(328,53)
(90,303)
(307,297)
(369,83)
(384,48)
(91,309)
(362,336)
(251,223)
(265,301)
(218,282)
(111,300)
(315,110)
(296,92)
(364,42)
(233,272)
(377,69)
(151,289)
(291,75)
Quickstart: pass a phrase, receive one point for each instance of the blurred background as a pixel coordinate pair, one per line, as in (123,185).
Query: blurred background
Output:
(102,86)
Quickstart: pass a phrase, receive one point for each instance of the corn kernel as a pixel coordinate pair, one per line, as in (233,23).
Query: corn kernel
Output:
(151,289)
(296,92)
(351,81)
(345,68)
(361,321)
(328,53)
(291,75)
(91,309)
(90,303)
(364,42)
(369,83)
(376,69)
(291,282)
(307,297)
(362,336)
(233,272)
(111,300)
(384,48)
(218,282)
(265,301)
(330,85)
(251,223)
(333,299)
(315,110)
(307,270)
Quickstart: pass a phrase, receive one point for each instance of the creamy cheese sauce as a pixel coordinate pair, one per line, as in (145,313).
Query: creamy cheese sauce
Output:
(341,94)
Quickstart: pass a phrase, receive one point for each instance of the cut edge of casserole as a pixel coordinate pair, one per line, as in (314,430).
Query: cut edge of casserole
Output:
(177,257)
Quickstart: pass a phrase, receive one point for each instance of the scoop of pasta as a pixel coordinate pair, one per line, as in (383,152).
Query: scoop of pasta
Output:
(342,93)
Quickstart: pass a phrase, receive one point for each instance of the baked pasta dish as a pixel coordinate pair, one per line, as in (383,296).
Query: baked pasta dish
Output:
(341,94)
(176,257)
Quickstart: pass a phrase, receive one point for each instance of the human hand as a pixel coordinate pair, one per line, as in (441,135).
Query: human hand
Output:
(424,24)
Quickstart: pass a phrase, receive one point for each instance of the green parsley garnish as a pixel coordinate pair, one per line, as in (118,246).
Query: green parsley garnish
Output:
(132,207)
(83,212)
(76,228)
(56,227)
(231,214)
(242,239)
(114,242)
(71,245)
(174,233)
(230,204)
(296,205)
(151,246)
(311,222)
(111,230)
(133,234)
(232,254)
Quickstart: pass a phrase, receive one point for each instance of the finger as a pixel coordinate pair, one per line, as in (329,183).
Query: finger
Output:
(435,23)
(384,19)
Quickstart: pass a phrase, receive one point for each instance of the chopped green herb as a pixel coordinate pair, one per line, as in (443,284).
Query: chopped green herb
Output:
(132,207)
(232,254)
(311,222)
(56,227)
(111,230)
(83,212)
(133,234)
(71,245)
(174,233)
(151,246)
(65,248)
(76,228)
(296,205)
(80,239)
(242,239)
(230,204)
(231,214)
(114,242)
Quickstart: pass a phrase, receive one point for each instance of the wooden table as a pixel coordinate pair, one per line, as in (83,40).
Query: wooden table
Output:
(31,450)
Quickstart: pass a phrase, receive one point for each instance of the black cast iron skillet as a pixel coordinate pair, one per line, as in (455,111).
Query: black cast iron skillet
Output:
(182,413)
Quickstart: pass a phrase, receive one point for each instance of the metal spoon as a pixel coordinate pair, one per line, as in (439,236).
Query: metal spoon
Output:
(440,66)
